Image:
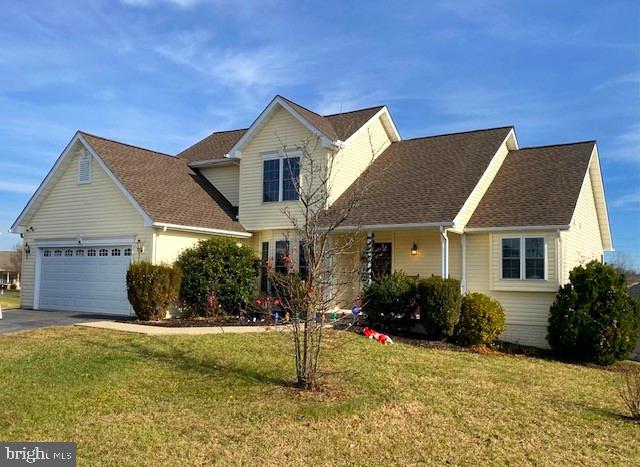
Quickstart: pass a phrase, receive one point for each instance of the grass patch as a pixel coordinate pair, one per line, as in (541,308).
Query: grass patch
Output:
(10,299)
(140,400)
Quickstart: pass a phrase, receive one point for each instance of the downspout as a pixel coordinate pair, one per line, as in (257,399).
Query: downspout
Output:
(463,278)
(560,260)
(444,243)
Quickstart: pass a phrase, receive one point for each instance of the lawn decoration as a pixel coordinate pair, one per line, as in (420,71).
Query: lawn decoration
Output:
(382,338)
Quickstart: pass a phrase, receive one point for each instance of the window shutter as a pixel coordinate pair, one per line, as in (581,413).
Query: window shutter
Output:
(84,168)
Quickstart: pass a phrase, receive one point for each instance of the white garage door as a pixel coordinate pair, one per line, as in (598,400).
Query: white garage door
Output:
(91,279)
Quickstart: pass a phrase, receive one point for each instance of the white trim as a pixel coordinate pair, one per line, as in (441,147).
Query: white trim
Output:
(215,162)
(418,225)
(236,150)
(444,253)
(189,228)
(517,228)
(83,241)
(523,258)
(38,276)
(463,268)
(84,157)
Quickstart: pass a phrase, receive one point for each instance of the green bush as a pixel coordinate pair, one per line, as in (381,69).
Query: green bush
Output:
(152,289)
(439,300)
(593,317)
(481,320)
(389,300)
(217,265)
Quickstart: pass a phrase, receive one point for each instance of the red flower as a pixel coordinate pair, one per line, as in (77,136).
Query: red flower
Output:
(258,302)
(276,302)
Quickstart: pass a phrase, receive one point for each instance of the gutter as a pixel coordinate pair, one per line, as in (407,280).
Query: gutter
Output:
(189,228)
(419,225)
(526,227)
(227,160)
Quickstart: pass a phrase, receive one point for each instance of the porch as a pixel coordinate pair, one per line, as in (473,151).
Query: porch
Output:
(419,253)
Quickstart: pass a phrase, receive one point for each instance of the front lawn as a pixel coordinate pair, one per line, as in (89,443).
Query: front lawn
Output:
(10,299)
(223,399)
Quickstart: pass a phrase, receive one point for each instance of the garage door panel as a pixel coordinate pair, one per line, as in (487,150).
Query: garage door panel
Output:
(84,279)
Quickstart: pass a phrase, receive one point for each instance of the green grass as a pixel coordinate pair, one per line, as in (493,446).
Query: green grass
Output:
(10,299)
(224,399)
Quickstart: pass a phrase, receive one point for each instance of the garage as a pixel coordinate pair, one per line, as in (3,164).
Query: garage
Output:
(85,279)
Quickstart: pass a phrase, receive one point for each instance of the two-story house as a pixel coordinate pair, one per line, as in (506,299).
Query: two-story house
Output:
(507,221)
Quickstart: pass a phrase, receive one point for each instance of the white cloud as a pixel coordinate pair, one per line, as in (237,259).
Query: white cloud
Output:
(17,187)
(626,146)
(627,202)
(147,3)
(625,79)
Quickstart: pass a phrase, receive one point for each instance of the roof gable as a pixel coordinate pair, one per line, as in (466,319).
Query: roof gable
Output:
(424,180)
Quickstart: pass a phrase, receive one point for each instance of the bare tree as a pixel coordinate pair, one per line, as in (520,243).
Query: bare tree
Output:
(308,296)
(16,258)
(623,263)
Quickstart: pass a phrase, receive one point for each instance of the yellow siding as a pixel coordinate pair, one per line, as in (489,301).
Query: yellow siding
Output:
(97,209)
(527,312)
(226,179)
(359,151)
(168,245)
(280,129)
(426,263)
(483,185)
(582,242)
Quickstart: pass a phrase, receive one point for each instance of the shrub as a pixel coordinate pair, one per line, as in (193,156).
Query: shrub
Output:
(593,318)
(481,320)
(220,266)
(440,300)
(390,300)
(630,391)
(152,289)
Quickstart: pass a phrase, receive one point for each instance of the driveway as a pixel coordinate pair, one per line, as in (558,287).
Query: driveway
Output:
(25,320)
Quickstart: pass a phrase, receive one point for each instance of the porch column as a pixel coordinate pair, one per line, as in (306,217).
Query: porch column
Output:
(369,273)
(463,278)
(444,256)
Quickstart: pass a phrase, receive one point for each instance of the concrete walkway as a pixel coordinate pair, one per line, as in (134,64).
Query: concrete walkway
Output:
(166,331)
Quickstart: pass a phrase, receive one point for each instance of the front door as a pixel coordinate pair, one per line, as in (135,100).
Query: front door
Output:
(381,260)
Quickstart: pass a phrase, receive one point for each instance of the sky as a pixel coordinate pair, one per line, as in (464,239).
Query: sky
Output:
(163,74)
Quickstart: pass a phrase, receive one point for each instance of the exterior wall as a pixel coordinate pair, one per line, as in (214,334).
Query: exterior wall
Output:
(582,242)
(279,130)
(97,209)
(226,179)
(359,151)
(483,185)
(526,303)
(168,245)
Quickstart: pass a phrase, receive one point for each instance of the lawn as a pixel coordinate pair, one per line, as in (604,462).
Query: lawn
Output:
(224,399)
(10,299)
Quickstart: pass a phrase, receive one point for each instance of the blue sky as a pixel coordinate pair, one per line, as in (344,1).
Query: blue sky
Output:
(164,73)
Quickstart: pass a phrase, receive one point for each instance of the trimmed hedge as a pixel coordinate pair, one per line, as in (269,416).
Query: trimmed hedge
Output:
(481,320)
(152,289)
(217,265)
(439,300)
(390,300)
(593,318)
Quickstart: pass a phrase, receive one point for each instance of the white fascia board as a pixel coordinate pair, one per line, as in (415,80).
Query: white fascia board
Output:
(598,184)
(205,230)
(215,162)
(147,218)
(419,225)
(516,228)
(236,150)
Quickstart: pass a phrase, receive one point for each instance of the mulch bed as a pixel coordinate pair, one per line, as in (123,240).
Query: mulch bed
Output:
(205,322)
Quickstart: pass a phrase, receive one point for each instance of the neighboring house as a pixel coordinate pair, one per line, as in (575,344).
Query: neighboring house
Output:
(507,221)
(9,270)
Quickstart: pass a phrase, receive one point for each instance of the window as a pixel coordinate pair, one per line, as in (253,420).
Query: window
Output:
(511,258)
(264,279)
(79,252)
(103,252)
(57,253)
(116,252)
(282,256)
(127,251)
(84,168)
(523,258)
(303,266)
(68,252)
(381,259)
(91,252)
(280,177)
(47,252)
(534,258)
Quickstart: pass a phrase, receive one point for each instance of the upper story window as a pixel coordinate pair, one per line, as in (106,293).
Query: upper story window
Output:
(280,177)
(84,168)
(523,258)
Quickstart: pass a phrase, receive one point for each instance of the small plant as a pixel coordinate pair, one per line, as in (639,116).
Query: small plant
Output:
(390,300)
(593,317)
(630,391)
(152,289)
(481,320)
(218,266)
(439,300)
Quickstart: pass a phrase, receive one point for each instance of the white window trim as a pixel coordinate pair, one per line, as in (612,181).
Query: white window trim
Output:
(281,156)
(523,258)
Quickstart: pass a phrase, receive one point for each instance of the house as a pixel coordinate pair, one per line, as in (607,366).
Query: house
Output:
(9,270)
(507,221)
